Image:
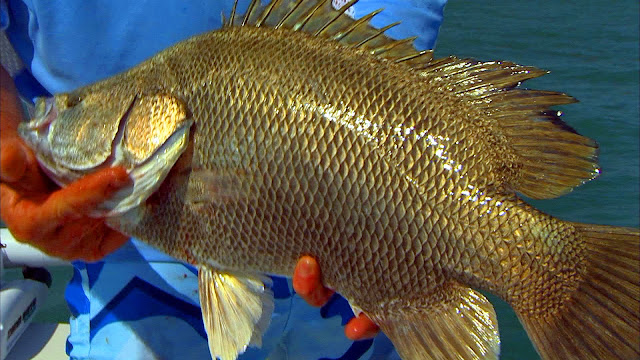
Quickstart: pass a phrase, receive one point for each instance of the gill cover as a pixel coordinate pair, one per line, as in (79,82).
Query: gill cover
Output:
(82,134)
(154,135)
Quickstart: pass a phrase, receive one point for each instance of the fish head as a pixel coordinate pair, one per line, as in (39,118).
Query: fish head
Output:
(74,134)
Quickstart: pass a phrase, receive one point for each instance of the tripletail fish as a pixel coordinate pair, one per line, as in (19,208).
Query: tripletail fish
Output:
(296,130)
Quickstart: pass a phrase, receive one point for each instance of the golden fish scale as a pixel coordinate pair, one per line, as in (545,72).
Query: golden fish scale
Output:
(302,146)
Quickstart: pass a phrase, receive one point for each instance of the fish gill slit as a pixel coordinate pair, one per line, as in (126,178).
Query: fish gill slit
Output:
(117,152)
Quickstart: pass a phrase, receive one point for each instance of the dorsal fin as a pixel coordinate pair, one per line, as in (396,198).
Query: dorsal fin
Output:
(546,157)
(550,158)
(319,18)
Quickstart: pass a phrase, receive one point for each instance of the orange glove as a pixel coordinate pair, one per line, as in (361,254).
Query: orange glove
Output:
(39,213)
(306,282)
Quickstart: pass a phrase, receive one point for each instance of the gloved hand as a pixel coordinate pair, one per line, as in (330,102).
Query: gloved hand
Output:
(306,282)
(38,212)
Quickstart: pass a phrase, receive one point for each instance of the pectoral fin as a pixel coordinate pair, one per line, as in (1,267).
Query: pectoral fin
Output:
(236,310)
(220,185)
(453,323)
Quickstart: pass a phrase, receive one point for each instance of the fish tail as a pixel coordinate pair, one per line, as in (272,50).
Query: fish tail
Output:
(600,319)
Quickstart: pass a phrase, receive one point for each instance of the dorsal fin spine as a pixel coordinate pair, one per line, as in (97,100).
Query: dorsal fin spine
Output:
(289,13)
(252,5)
(378,33)
(319,18)
(384,48)
(413,56)
(233,14)
(341,11)
(267,11)
(363,20)
(305,19)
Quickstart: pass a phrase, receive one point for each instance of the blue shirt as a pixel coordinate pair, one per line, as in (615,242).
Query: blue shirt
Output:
(138,303)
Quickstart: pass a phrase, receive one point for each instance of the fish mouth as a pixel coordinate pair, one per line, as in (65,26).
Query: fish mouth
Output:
(45,112)
(35,132)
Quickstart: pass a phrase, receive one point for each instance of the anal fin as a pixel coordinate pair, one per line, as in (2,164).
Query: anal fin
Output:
(455,322)
(236,310)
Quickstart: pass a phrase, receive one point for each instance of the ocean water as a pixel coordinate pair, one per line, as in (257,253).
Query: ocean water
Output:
(591,49)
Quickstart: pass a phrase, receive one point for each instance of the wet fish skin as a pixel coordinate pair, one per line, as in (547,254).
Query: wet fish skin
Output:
(297,142)
(400,182)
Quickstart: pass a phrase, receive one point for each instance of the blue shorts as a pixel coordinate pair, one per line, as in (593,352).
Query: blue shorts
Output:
(141,304)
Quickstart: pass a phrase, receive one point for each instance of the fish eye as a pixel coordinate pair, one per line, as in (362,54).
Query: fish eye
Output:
(73,100)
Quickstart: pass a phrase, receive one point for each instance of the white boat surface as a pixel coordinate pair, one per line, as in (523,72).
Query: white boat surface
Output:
(21,299)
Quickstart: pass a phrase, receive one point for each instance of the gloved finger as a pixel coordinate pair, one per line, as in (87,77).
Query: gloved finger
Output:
(361,328)
(18,164)
(87,239)
(65,241)
(19,167)
(110,242)
(84,195)
(307,282)
(33,218)
(93,242)
(61,243)
(18,213)
(13,160)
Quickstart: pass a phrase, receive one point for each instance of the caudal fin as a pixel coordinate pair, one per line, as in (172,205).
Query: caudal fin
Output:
(601,319)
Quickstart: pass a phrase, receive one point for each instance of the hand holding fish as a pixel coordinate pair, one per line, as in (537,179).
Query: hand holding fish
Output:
(306,282)
(37,211)
(53,219)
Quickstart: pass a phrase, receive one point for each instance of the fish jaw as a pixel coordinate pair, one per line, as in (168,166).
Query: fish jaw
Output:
(36,134)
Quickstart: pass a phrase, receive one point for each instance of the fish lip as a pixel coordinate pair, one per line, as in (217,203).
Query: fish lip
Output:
(35,132)
(46,113)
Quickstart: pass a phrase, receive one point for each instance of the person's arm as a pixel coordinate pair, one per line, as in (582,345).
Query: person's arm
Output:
(39,213)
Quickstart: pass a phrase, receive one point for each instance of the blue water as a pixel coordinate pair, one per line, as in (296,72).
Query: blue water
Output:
(591,49)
